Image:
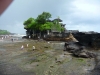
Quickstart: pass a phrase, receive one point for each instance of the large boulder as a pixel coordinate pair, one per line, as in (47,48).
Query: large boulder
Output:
(83,54)
(79,51)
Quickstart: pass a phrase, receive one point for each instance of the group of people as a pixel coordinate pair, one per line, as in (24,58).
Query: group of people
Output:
(8,37)
(2,37)
(33,48)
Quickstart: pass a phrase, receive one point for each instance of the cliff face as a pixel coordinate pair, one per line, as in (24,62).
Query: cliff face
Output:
(91,40)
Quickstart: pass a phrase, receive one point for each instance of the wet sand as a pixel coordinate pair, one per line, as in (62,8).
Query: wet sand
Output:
(47,59)
(7,49)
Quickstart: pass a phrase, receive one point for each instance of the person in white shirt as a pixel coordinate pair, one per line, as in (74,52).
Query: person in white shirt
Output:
(22,47)
(33,48)
(27,45)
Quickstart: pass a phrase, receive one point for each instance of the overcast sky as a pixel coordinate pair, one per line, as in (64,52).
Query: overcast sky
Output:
(82,15)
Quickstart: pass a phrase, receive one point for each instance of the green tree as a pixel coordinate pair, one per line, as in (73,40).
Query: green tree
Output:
(42,21)
(29,24)
(42,24)
(57,26)
(46,26)
(42,18)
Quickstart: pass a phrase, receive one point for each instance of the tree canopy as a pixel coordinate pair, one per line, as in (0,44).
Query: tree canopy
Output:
(43,22)
(42,18)
(28,24)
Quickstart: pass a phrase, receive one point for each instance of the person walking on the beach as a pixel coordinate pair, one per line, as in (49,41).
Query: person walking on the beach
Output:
(12,39)
(29,37)
(33,48)
(27,45)
(22,47)
(38,38)
(2,38)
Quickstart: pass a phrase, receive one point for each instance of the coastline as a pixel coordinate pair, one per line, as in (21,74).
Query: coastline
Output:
(29,61)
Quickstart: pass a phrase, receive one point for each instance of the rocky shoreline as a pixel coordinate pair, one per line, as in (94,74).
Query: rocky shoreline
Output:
(48,58)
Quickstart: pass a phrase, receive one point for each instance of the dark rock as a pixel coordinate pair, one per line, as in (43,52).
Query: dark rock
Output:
(91,55)
(84,55)
(89,40)
(79,51)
